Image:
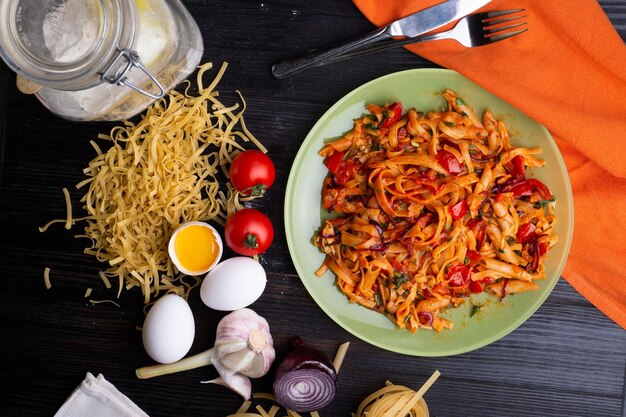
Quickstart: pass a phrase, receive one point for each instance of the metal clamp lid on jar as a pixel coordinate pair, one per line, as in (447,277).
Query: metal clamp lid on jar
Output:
(106,57)
(118,77)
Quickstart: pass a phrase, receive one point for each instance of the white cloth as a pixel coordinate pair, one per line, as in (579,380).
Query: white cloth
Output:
(97,397)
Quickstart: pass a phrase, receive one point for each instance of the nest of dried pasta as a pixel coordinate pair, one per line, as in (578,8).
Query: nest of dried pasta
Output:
(164,170)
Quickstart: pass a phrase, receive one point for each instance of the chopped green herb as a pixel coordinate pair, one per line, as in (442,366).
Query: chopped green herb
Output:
(510,240)
(449,124)
(475,309)
(414,262)
(379,300)
(386,113)
(466,260)
(441,175)
(460,102)
(543,203)
(518,252)
(399,279)
(501,250)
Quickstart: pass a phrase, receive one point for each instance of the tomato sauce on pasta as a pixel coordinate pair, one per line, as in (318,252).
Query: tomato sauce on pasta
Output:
(430,208)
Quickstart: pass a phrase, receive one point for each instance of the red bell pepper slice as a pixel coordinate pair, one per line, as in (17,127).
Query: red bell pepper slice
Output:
(396,112)
(537,250)
(479,227)
(332,161)
(527,187)
(519,169)
(449,162)
(458,210)
(526,232)
(473,255)
(458,275)
(475,287)
(505,287)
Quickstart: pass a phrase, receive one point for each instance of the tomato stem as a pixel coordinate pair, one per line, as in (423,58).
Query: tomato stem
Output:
(251,241)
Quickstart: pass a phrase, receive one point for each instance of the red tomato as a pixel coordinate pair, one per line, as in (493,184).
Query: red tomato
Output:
(332,161)
(449,162)
(526,232)
(396,112)
(458,275)
(458,210)
(252,172)
(345,172)
(249,232)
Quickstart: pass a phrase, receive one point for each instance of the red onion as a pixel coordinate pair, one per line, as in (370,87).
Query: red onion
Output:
(305,380)
(426,318)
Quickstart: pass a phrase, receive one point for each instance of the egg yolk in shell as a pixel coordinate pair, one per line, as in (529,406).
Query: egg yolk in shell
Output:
(196,247)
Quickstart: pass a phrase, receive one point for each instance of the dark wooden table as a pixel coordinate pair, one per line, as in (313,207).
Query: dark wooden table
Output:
(568,359)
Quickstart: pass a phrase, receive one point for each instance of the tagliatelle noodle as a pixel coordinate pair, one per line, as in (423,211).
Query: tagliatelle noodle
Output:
(158,174)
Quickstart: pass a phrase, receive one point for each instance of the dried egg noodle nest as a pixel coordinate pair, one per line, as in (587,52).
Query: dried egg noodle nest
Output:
(393,400)
(158,174)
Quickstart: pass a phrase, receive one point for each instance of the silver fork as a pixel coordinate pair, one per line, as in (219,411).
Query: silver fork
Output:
(473,30)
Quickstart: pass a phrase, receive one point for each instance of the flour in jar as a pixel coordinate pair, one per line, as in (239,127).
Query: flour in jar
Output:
(156,31)
(70,28)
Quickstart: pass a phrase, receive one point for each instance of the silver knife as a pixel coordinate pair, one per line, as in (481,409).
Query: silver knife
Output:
(410,26)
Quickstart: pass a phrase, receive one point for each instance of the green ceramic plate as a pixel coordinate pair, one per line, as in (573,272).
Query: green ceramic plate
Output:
(421,89)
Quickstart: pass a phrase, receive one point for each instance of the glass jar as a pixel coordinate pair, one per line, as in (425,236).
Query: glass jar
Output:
(99,59)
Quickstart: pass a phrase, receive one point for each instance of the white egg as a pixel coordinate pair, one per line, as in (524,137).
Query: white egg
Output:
(169,329)
(233,284)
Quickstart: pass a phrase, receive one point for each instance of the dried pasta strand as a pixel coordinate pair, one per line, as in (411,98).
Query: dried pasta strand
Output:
(104,301)
(340,356)
(46,278)
(104,278)
(274,409)
(68,205)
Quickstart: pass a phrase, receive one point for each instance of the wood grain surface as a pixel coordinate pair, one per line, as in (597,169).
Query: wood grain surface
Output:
(568,359)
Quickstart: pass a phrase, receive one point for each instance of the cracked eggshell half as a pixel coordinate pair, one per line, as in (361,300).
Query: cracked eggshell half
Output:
(195,248)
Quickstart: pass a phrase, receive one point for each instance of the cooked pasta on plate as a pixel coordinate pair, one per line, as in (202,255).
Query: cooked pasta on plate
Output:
(423,209)
(431,207)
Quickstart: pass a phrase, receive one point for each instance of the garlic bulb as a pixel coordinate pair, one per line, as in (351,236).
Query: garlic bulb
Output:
(243,348)
(243,343)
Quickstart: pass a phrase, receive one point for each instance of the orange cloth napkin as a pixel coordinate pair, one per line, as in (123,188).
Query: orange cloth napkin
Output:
(568,72)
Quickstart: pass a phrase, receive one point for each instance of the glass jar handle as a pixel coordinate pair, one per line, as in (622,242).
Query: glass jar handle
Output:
(118,77)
